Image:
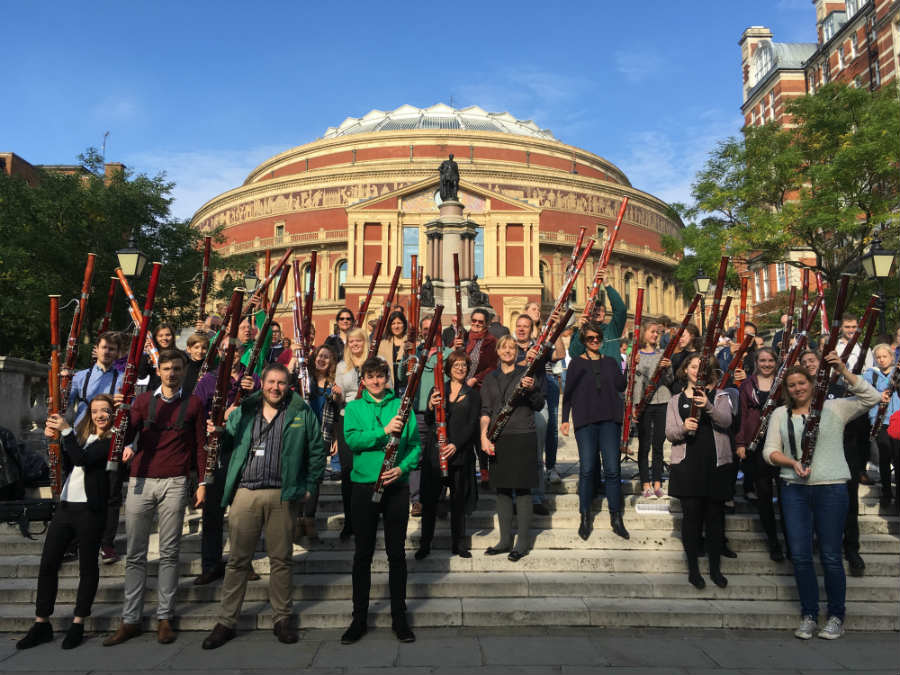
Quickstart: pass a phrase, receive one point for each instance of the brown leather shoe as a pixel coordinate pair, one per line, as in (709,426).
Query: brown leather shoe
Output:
(285,632)
(416,510)
(309,529)
(165,634)
(254,575)
(125,632)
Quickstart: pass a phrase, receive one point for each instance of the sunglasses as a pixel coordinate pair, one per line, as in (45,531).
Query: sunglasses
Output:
(477,321)
(592,338)
(346,318)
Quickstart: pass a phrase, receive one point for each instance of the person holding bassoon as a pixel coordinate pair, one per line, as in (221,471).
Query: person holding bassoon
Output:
(814,493)
(369,423)
(80,516)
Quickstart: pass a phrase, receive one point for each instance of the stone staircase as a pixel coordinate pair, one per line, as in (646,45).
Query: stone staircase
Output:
(605,581)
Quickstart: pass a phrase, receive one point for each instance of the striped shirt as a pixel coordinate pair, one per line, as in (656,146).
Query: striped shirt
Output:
(263,468)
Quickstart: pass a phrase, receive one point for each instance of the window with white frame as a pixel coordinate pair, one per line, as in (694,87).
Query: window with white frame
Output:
(840,55)
(765,282)
(763,60)
(341,278)
(853,45)
(876,74)
(781,274)
(852,6)
(756,284)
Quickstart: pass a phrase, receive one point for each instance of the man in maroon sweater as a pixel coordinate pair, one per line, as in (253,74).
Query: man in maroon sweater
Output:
(172,436)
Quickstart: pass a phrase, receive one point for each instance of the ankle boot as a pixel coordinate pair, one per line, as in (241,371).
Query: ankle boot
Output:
(615,521)
(694,575)
(74,636)
(39,633)
(584,530)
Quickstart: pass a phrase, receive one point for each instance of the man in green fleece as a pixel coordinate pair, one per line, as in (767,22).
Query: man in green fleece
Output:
(369,423)
(277,461)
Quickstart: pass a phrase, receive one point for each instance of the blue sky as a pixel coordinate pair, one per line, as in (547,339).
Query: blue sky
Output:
(207,90)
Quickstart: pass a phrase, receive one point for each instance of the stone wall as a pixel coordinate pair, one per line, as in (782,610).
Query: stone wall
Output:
(23,392)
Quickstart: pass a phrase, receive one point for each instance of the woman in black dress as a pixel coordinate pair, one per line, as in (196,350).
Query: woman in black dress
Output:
(463,410)
(700,468)
(80,516)
(514,457)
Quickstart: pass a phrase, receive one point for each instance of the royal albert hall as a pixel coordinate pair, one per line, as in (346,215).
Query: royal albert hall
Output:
(368,190)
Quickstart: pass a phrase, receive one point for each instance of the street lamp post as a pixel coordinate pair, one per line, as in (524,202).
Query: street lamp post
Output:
(701,286)
(877,265)
(131,259)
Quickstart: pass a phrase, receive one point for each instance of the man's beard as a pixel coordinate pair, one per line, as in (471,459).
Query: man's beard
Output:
(275,403)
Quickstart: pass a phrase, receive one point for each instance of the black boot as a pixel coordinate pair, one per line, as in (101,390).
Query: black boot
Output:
(357,629)
(401,629)
(615,521)
(424,550)
(584,530)
(39,633)
(74,636)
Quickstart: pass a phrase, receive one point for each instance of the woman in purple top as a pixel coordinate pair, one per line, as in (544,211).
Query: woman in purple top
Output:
(593,384)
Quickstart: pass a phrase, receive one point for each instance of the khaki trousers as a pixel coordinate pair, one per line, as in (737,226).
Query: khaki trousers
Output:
(252,513)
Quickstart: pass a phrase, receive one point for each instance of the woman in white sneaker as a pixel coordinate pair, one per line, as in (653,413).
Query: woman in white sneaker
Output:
(814,498)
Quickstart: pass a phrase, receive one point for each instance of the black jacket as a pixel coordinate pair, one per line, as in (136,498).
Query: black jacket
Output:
(91,458)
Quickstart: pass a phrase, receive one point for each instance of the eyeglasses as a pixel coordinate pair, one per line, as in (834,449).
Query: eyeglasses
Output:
(345,318)
(459,364)
(592,338)
(477,322)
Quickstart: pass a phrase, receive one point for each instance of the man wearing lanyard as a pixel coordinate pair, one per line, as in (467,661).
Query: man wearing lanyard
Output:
(277,460)
(101,378)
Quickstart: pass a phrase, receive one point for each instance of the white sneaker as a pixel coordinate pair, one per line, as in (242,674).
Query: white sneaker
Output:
(833,629)
(806,629)
(554,476)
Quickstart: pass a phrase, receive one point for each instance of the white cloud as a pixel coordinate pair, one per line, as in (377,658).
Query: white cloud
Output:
(637,65)
(199,175)
(664,160)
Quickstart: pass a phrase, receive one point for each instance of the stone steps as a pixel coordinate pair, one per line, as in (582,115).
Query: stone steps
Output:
(529,611)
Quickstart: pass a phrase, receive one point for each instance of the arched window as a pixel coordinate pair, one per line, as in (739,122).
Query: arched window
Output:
(340,275)
(544,272)
(305,288)
(648,287)
(762,62)
(628,278)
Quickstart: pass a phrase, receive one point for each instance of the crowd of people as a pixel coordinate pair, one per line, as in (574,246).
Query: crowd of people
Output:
(276,445)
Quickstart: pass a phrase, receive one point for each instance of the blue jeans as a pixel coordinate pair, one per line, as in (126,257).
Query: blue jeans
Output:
(599,439)
(552,433)
(823,507)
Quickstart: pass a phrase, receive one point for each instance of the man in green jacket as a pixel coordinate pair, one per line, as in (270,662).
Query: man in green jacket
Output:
(277,460)
(370,422)
(612,331)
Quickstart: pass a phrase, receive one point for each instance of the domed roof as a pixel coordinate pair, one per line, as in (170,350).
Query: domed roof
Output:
(438,116)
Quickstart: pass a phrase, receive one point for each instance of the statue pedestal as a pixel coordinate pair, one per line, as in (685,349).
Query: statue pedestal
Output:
(451,232)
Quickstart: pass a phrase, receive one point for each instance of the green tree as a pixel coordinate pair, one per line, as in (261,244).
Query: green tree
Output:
(827,183)
(47,230)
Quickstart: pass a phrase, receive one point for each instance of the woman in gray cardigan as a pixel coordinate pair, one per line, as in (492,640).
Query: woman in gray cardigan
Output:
(815,497)
(700,468)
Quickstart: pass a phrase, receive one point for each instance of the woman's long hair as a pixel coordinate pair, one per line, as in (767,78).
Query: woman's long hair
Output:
(332,360)
(86,426)
(348,357)
(714,373)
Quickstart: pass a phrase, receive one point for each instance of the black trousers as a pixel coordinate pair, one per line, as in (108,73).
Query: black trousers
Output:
(116,498)
(699,513)
(888,453)
(346,457)
(767,487)
(394,508)
(431,493)
(212,536)
(651,437)
(71,522)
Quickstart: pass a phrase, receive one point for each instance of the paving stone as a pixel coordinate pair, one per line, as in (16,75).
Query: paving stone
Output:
(368,652)
(524,612)
(446,653)
(547,651)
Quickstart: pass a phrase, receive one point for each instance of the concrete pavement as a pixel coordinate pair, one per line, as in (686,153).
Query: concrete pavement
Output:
(527,649)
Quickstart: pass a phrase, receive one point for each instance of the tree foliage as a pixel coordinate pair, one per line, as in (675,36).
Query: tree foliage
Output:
(827,184)
(47,230)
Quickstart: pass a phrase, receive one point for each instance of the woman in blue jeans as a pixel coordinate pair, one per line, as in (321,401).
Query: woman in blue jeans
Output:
(814,498)
(593,383)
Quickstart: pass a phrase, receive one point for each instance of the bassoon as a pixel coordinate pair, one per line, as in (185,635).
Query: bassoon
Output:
(381,326)
(310,294)
(868,316)
(214,344)
(412,334)
(267,266)
(804,298)
(440,411)
(110,297)
(54,452)
(263,288)
(811,428)
(301,347)
(651,387)
(256,354)
(364,307)
(220,397)
(742,316)
(602,262)
(566,290)
(575,249)
(406,402)
(789,325)
(204,278)
(457,292)
(541,349)
(65,380)
(709,343)
(736,360)
(867,342)
(135,310)
(774,397)
(632,366)
(820,288)
(123,411)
